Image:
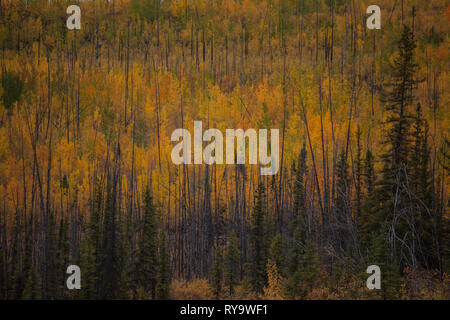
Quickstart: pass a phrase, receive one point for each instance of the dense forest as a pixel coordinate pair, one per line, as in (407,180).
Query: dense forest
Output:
(86,176)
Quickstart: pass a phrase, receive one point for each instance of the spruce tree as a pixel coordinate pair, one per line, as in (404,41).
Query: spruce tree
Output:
(394,196)
(358,172)
(32,286)
(276,253)
(368,220)
(258,238)
(62,257)
(148,247)
(164,268)
(299,206)
(420,185)
(90,277)
(299,235)
(90,254)
(111,268)
(231,260)
(95,225)
(306,275)
(51,272)
(343,219)
(380,255)
(15,277)
(217,272)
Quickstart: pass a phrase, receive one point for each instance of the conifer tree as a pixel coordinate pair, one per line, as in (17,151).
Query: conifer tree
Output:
(16,278)
(51,273)
(306,274)
(89,267)
(299,235)
(217,272)
(32,286)
(368,222)
(393,191)
(90,255)
(420,185)
(358,172)
(28,252)
(148,247)
(62,258)
(111,271)
(379,254)
(258,236)
(164,268)
(231,260)
(343,219)
(276,253)
(95,225)
(299,208)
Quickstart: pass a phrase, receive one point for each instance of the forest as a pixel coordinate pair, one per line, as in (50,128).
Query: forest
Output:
(86,176)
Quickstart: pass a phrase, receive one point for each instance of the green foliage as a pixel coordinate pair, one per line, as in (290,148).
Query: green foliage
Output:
(379,254)
(368,220)
(306,274)
(62,255)
(147,267)
(148,10)
(12,89)
(111,266)
(258,234)
(32,286)
(231,259)
(164,268)
(276,253)
(89,268)
(217,272)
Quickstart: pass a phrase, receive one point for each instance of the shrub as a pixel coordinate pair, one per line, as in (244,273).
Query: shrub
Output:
(198,289)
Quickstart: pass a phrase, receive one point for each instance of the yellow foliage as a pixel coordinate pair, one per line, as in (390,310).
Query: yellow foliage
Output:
(198,289)
(273,290)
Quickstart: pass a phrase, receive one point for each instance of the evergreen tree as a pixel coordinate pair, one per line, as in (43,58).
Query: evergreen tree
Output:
(125,262)
(306,275)
(399,99)
(393,191)
(95,225)
(164,268)
(258,236)
(62,258)
(368,221)
(111,271)
(299,190)
(343,219)
(276,253)
(32,286)
(380,255)
(420,185)
(217,272)
(358,172)
(231,260)
(51,272)
(90,254)
(148,248)
(15,276)
(299,236)
(28,253)
(89,267)
(12,86)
